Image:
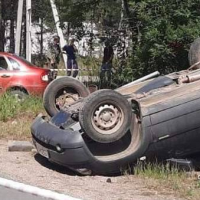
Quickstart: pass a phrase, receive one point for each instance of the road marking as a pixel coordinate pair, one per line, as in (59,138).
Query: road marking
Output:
(34,190)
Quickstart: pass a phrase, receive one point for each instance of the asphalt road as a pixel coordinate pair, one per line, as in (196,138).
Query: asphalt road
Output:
(10,194)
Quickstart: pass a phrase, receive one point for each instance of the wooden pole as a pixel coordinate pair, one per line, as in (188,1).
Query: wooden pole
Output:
(59,30)
(19,27)
(28,30)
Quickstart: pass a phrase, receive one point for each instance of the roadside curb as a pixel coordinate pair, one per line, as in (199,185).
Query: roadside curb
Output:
(34,190)
(20,146)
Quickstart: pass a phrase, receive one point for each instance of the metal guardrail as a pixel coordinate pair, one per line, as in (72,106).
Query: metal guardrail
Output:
(80,78)
(72,69)
(86,78)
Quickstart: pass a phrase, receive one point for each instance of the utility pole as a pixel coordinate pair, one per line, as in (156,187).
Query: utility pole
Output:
(59,30)
(28,30)
(19,27)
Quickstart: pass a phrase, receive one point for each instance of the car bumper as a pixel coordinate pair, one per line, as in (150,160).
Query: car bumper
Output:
(64,147)
(68,148)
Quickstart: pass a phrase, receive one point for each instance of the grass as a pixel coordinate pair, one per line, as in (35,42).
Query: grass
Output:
(16,129)
(88,66)
(10,107)
(166,179)
(16,116)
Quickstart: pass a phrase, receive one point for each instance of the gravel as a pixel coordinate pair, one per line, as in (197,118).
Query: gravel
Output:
(32,169)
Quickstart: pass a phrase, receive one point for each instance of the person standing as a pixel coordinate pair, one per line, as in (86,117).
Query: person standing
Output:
(72,66)
(53,53)
(106,66)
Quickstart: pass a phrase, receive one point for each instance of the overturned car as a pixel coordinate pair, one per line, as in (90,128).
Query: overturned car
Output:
(107,130)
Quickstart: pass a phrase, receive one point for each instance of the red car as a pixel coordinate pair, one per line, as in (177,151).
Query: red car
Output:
(21,77)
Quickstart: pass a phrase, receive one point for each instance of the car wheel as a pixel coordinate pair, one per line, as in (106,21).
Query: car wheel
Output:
(62,92)
(18,94)
(105,116)
(194,53)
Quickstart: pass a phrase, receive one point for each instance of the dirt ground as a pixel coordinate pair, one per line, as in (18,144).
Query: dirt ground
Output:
(34,170)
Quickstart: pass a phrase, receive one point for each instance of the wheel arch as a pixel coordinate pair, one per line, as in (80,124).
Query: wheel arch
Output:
(18,87)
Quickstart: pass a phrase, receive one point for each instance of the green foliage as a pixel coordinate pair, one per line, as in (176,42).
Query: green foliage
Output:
(10,7)
(31,105)
(161,30)
(80,11)
(10,107)
(157,171)
(164,32)
(104,14)
(171,178)
(41,9)
(89,66)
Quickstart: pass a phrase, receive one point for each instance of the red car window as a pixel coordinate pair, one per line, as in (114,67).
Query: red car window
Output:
(14,63)
(3,63)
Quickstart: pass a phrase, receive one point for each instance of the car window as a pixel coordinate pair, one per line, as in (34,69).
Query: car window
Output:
(14,63)
(3,63)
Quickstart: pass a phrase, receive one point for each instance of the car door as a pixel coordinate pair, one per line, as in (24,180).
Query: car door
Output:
(176,122)
(6,74)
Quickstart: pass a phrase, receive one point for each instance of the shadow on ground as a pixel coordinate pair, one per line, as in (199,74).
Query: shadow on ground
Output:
(46,163)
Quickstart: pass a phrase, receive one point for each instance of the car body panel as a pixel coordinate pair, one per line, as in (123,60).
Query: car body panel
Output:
(16,73)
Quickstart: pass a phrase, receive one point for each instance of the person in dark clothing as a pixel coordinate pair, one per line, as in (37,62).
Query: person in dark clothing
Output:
(53,53)
(108,54)
(72,65)
(106,64)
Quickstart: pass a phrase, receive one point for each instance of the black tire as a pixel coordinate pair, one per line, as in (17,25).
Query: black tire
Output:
(105,116)
(20,95)
(194,52)
(56,89)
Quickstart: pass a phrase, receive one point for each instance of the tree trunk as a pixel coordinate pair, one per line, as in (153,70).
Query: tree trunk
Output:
(122,15)
(128,14)
(23,46)
(2,25)
(12,36)
(121,44)
(41,36)
(12,29)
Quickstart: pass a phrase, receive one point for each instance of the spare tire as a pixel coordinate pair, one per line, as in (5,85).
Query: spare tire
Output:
(105,116)
(62,92)
(194,53)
